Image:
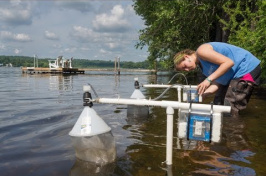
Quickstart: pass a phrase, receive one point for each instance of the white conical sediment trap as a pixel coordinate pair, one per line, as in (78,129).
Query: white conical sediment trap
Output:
(89,124)
(92,138)
(137,94)
(133,111)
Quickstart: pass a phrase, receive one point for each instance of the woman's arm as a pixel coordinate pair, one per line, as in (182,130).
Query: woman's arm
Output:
(206,52)
(210,90)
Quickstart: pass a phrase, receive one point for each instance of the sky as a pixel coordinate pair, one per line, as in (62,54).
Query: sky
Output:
(91,29)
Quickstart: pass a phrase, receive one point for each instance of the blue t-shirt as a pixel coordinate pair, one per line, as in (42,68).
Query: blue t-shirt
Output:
(244,62)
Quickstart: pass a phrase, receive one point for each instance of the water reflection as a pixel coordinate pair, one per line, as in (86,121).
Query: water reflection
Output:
(168,170)
(234,135)
(55,81)
(221,165)
(83,168)
(186,144)
(61,82)
(117,81)
(230,157)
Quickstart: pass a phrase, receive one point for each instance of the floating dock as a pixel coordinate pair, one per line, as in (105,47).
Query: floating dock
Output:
(59,65)
(64,66)
(34,70)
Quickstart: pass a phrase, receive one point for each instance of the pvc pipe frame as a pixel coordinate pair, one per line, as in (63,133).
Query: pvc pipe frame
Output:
(169,135)
(170,106)
(166,86)
(178,87)
(165,104)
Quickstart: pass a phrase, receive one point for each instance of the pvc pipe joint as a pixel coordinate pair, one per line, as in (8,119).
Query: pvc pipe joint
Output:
(169,110)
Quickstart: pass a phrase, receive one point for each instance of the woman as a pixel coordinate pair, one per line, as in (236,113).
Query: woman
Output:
(230,71)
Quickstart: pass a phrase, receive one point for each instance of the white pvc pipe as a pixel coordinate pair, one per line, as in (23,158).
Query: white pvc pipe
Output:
(165,104)
(178,87)
(179,94)
(166,86)
(169,135)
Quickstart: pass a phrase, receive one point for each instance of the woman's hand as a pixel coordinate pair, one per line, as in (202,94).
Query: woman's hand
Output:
(210,90)
(203,86)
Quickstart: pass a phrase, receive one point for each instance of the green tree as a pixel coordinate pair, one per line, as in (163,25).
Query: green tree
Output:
(247,24)
(173,25)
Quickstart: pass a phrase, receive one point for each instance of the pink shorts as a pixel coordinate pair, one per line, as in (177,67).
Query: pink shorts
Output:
(248,77)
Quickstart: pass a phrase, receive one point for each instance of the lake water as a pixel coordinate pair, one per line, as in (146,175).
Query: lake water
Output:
(38,111)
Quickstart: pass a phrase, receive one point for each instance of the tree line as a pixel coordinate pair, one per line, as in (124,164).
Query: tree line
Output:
(25,61)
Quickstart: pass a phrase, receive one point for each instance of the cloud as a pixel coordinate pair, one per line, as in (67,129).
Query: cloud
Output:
(70,50)
(81,6)
(84,49)
(58,46)
(103,51)
(17,51)
(82,29)
(114,22)
(2,47)
(51,36)
(83,34)
(16,13)
(6,35)
(114,46)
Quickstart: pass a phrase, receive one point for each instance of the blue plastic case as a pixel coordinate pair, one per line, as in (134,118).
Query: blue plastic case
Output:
(199,127)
